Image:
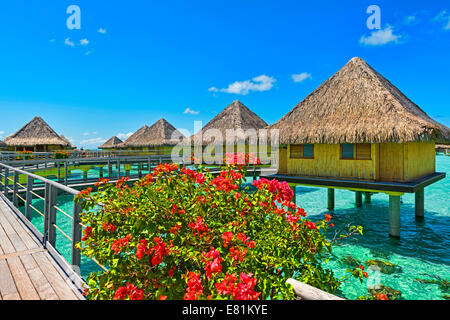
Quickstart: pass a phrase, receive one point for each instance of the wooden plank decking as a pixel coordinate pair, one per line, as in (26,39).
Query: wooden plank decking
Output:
(27,271)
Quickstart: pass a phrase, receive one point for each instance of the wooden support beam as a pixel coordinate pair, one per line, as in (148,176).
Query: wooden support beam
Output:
(358,198)
(394,216)
(420,203)
(367,197)
(330,199)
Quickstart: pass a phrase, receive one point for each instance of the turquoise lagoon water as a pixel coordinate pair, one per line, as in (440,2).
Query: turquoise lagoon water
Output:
(422,252)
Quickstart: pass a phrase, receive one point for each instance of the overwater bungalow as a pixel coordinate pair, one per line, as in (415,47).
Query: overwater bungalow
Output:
(111,144)
(36,136)
(235,118)
(159,138)
(357,131)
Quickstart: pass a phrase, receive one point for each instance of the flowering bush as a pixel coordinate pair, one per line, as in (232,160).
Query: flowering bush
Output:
(28,155)
(61,154)
(185,234)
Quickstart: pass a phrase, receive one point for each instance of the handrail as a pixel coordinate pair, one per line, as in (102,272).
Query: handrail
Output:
(50,209)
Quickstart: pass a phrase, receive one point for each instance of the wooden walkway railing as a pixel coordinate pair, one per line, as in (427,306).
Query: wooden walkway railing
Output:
(27,271)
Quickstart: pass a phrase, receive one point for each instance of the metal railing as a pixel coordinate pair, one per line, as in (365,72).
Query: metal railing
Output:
(9,186)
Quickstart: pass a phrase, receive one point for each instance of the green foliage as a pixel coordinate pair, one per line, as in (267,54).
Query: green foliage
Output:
(186,234)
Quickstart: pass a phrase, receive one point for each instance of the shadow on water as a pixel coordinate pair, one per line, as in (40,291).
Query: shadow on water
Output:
(425,239)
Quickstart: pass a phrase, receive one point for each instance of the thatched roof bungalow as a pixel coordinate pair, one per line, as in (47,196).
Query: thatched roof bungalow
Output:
(234,118)
(71,146)
(358,125)
(160,137)
(111,143)
(36,135)
(357,131)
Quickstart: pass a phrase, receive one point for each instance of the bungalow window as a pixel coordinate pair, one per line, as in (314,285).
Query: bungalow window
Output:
(347,151)
(363,151)
(302,151)
(359,151)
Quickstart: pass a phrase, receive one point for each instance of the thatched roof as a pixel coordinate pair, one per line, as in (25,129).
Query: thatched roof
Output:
(161,133)
(236,116)
(35,132)
(113,142)
(71,146)
(358,105)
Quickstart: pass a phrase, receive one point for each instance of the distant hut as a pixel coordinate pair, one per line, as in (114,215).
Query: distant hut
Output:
(235,118)
(3,145)
(37,136)
(358,131)
(159,138)
(111,144)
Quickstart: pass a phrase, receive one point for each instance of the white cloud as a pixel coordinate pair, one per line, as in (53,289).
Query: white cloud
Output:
(1,134)
(69,43)
(301,77)
(52,40)
(101,30)
(444,17)
(93,141)
(84,42)
(190,111)
(124,136)
(380,37)
(86,133)
(260,83)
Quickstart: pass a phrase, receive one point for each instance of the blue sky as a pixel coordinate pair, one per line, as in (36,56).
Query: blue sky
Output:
(133,62)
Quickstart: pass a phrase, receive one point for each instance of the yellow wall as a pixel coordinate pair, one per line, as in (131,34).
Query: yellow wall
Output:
(389,162)
(327,162)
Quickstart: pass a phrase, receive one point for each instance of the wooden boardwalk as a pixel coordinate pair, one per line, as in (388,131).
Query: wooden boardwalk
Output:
(27,271)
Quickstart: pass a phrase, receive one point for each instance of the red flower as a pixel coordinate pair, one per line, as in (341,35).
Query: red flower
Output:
(87,233)
(227,237)
(381,296)
(195,288)
(109,227)
(251,244)
(212,262)
(365,275)
(199,227)
(128,291)
(310,225)
(327,217)
(119,244)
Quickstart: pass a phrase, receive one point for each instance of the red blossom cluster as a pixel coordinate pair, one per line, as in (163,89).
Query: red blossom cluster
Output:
(164,168)
(101,181)
(198,177)
(281,190)
(212,262)
(85,192)
(159,251)
(176,210)
(226,181)
(87,233)
(195,288)
(109,227)
(128,291)
(118,244)
(121,183)
(199,227)
(243,290)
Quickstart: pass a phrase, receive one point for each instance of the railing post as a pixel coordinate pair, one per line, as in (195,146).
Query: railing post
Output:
(76,236)
(46,211)
(118,168)
(65,172)
(58,175)
(5,184)
(15,187)
(29,197)
(109,169)
(53,196)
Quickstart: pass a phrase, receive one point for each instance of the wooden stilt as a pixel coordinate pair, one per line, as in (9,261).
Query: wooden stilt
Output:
(330,199)
(358,198)
(394,216)
(420,203)
(367,197)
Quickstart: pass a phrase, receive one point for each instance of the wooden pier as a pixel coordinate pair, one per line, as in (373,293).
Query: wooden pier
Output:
(27,270)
